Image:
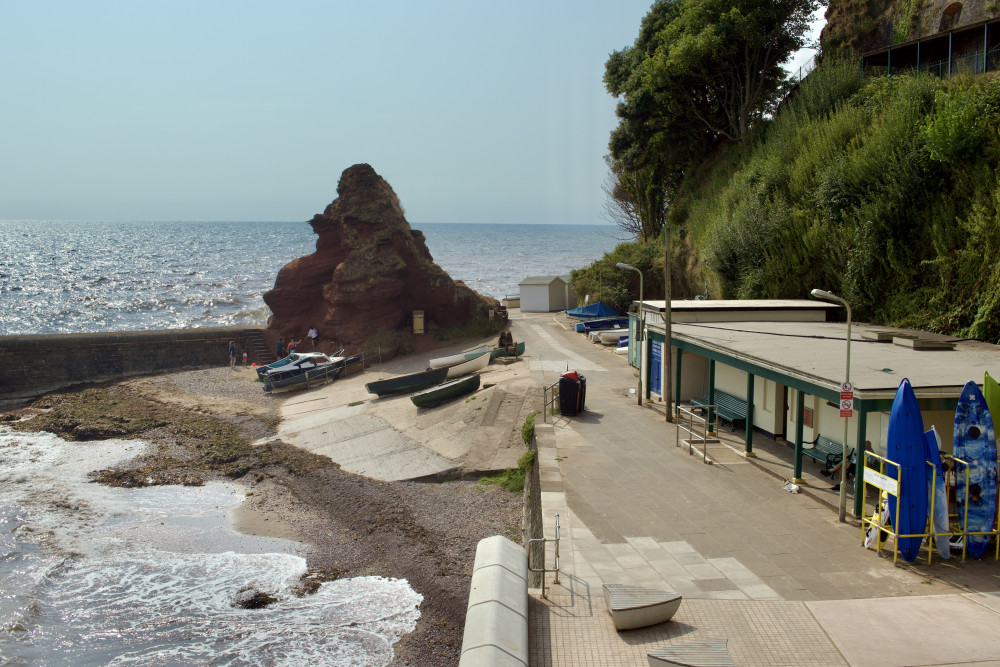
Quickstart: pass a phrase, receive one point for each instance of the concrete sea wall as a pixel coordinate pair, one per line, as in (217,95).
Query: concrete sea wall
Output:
(33,365)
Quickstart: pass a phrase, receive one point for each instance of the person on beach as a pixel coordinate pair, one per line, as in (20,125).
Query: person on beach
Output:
(279,348)
(313,336)
(292,344)
(232,353)
(244,357)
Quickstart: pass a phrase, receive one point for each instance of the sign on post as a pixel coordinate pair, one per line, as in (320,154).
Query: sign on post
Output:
(846,399)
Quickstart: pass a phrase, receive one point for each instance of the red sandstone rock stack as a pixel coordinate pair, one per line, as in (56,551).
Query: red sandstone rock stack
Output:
(369,273)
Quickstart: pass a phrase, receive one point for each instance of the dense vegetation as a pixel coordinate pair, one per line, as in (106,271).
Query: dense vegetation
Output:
(883,190)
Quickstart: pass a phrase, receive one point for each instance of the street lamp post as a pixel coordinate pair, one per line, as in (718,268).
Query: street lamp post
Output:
(622,265)
(829,296)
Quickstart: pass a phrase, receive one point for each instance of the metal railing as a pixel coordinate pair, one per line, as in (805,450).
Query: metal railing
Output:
(543,569)
(689,421)
(550,395)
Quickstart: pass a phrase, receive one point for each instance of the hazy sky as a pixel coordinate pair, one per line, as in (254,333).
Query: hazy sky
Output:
(474,112)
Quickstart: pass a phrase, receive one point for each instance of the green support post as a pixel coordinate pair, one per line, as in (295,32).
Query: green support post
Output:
(749,438)
(711,389)
(859,467)
(677,382)
(800,414)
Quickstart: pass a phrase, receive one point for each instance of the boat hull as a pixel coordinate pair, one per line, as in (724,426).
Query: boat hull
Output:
(443,362)
(432,396)
(407,383)
(470,366)
(508,351)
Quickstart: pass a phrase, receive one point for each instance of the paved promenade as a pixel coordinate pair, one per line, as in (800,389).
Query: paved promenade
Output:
(774,572)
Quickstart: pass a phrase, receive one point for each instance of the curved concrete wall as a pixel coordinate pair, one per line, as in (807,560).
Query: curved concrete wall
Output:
(496,623)
(33,365)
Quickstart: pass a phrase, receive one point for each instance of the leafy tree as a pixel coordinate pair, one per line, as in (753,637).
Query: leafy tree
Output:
(701,72)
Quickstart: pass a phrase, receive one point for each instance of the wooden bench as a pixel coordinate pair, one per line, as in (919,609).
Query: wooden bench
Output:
(730,408)
(701,652)
(824,450)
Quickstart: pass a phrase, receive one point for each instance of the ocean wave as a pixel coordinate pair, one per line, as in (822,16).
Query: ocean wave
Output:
(97,575)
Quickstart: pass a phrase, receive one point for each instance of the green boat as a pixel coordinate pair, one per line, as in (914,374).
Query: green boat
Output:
(428,398)
(508,351)
(407,383)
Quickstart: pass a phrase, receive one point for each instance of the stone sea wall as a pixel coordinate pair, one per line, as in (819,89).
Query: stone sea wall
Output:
(33,365)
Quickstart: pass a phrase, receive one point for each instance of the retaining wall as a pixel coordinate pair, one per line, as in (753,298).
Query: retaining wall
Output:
(33,365)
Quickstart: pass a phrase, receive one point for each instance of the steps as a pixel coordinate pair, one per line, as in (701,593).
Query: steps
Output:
(257,348)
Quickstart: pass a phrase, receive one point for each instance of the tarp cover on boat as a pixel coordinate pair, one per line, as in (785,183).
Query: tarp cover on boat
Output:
(598,309)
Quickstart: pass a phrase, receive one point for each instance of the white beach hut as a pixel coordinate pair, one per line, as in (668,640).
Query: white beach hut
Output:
(544,294)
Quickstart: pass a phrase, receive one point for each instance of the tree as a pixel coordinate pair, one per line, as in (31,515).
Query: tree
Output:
(700,72)
(636,201)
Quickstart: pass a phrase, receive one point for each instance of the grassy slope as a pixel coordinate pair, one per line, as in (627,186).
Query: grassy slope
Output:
(883,190)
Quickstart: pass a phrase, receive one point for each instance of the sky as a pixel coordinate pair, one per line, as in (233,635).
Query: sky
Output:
(473,112)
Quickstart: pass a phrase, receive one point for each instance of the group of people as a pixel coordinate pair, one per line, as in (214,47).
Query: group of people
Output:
(282,349)
(232,355)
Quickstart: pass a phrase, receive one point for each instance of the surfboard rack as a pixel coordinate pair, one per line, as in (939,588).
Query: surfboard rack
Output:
(887,484)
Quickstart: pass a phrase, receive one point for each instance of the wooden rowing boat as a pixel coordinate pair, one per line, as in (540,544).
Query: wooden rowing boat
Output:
(442,362)
(407,383)
(432,396)
(471,366)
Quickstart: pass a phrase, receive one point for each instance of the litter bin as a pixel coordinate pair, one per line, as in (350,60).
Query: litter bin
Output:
(572,393)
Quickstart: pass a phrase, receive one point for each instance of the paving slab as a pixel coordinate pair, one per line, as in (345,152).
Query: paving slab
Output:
(625,492)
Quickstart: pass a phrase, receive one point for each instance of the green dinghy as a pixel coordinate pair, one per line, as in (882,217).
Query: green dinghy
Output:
(432,396)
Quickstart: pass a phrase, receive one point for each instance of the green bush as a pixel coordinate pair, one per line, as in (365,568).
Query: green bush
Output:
(528,429)
(512,479)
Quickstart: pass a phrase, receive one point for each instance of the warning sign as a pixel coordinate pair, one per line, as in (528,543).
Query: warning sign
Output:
(847,407)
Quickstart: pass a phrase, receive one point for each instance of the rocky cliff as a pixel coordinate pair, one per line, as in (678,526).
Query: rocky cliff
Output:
(369,273)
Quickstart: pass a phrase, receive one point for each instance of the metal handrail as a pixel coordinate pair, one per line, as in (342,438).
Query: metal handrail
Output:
(687,421)
(547,401)
(543,570)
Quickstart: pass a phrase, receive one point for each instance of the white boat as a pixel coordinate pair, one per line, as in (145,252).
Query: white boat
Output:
(441,362)
(470,366)
(611,336)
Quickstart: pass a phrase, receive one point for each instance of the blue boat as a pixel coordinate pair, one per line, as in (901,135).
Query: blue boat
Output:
(602,324)
(594,310)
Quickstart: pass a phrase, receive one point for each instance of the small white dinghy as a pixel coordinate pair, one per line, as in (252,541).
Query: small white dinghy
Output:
(611,336)
(637,607)
(441,362)
(471,366)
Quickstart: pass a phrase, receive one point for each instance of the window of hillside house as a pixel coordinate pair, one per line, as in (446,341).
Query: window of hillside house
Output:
(950,16)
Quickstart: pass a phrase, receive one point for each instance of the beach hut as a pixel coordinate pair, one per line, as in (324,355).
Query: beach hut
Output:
(544,294)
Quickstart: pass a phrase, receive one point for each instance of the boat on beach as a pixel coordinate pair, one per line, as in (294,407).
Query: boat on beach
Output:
(407,383)
(432,396)
(307,371)
(442,362)
(603,323)
(296,358)
(513,350)
(473,365)
(612,336)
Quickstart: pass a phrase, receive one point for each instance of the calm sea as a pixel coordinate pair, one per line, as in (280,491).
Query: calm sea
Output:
(69,277)
(91,575)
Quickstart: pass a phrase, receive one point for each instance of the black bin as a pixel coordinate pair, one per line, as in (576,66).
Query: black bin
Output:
(572,393)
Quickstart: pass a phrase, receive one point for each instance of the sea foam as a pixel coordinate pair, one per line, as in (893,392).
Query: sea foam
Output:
(97,575)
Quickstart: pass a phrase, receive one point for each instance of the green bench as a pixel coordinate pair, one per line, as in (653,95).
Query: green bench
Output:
(731,409)
(824,450)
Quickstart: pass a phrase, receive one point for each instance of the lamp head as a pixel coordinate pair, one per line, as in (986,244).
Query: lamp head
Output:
(623,265)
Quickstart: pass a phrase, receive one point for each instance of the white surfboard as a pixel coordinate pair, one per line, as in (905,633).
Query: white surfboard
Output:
(936,492)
